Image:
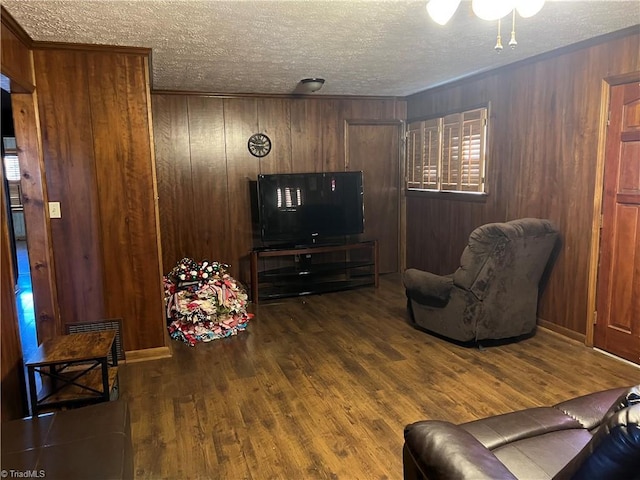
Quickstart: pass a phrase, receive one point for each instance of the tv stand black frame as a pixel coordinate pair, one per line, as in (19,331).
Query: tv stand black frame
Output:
(308,277)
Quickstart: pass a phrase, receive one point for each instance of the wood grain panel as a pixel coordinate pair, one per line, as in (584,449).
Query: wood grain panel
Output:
(124,180)
(332,128)
(241,121)
(542,153)
(440,244)
(371,109)
(374,150)
(623,291)
(15,54)
(629,177)
(210,197)
(12,381)
(34,199)
(274,119)
(306,138)
(631,117)
(63,102)
(173,168)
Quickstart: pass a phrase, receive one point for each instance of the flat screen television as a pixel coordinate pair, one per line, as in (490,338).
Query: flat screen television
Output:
(310,208)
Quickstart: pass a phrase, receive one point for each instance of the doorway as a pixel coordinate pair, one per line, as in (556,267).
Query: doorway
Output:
(17,229)
(617,323)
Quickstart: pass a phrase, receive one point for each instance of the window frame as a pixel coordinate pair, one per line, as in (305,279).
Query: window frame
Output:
(426,128)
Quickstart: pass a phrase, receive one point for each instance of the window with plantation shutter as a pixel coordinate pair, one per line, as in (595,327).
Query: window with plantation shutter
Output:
(12,168)
(12,174)
(448,153)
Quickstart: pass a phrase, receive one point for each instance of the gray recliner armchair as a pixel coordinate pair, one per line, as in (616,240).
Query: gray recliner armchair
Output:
(493,295)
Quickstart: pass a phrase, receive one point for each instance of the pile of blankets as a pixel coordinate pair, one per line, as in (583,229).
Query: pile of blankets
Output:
(204,302)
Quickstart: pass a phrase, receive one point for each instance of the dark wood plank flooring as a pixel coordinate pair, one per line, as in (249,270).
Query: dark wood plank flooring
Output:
(322,386)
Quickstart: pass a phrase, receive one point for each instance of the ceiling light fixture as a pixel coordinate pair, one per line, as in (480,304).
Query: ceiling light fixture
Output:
(311,85)
(441,12)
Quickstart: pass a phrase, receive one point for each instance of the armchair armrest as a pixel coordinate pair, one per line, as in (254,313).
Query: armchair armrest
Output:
(442,450)
(425,286)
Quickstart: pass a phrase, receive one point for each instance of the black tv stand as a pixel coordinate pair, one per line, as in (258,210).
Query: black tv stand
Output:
(312,269)
(294,246)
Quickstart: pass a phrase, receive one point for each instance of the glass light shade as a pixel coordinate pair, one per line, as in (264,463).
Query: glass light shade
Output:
(441,11)
(312,84)
(528,8)
(493,9)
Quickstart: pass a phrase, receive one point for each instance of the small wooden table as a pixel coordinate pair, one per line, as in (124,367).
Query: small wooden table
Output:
(78,368)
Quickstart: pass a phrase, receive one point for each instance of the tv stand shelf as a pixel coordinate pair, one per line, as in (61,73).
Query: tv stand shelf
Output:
(312,269)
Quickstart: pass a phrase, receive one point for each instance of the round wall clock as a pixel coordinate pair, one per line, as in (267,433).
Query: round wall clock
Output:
(259,145)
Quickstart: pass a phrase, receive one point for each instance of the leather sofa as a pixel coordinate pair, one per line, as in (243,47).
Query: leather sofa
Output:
(589,437)
(92,442)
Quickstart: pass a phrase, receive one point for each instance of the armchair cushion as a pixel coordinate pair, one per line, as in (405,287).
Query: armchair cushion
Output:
(426,287)
(484,242)
(488,252)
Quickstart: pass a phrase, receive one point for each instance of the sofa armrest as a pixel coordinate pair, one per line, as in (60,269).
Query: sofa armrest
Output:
(590,409)
(425,286)
(498,430)
(442,450)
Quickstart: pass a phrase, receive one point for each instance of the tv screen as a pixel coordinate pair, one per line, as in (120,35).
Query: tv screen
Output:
(310,207)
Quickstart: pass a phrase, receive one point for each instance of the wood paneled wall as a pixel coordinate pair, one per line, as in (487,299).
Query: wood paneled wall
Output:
(16,64)
(34,199)
(97,150)
(542,156)
(15,54)
(204,167)
(14,394)
(375,140)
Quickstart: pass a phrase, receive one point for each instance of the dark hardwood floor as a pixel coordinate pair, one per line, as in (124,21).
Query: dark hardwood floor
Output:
(322,386)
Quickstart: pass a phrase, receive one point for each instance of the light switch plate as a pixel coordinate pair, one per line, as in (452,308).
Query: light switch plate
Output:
(54,210)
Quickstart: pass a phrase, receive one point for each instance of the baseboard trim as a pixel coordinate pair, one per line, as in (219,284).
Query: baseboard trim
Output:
(157,353)
(620,359)
(565,332)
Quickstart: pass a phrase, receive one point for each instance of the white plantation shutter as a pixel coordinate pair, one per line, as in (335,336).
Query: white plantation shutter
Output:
(473,151)
(431,156)
(448,153)
(12,174)
(414,156)
(12,168)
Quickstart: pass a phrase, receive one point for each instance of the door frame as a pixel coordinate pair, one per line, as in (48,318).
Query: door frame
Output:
(594,248)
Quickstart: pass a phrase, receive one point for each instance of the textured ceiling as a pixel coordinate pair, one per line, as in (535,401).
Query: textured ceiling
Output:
(360,47)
